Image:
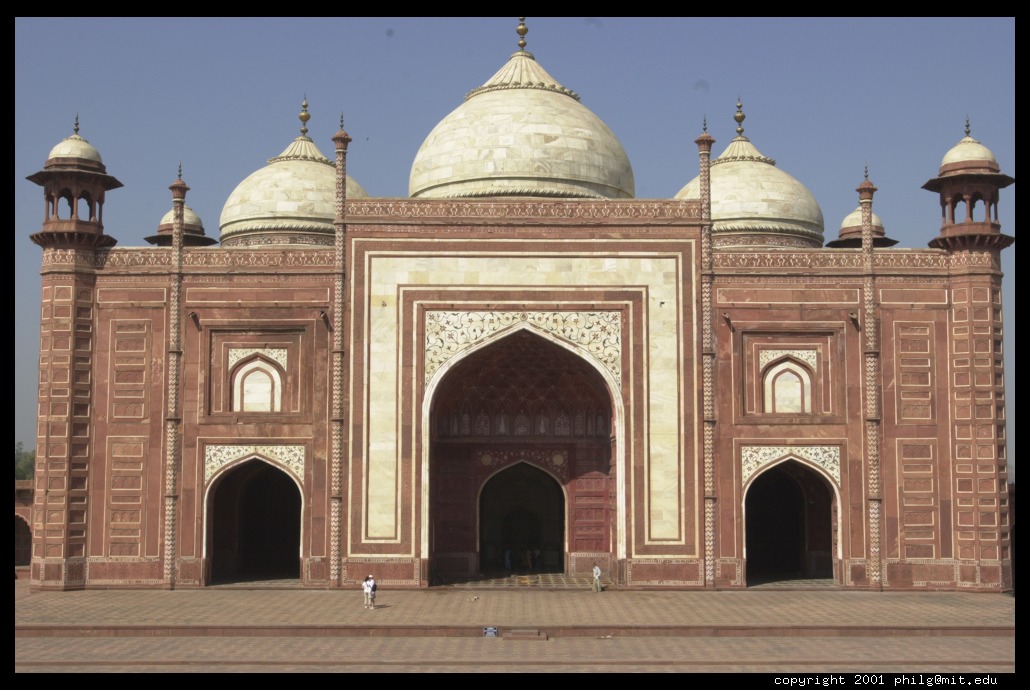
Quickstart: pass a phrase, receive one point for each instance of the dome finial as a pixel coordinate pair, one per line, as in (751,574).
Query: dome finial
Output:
(522,31)
(76,123)
(739,117)
(180,170)
(341,119)
(304,116)
(866,171)
(704,124)
(967,125)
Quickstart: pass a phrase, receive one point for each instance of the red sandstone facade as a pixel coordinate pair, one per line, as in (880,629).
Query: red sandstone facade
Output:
(445,388)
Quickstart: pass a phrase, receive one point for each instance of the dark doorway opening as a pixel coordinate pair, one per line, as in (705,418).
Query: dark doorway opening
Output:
(22,542)
(522,522)
(789,517)
(255,533)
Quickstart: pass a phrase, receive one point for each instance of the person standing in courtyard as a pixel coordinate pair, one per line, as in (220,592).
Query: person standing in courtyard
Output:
(597,578)
(368,586)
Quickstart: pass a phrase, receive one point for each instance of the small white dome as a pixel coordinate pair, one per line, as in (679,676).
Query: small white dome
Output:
(755,204)
(968,156)
(294,196)
(854,219)
(521,134)
(189,218)
(75,147)
(75,151)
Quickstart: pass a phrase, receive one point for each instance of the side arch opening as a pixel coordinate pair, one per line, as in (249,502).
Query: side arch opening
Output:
(790,515)
(255,525)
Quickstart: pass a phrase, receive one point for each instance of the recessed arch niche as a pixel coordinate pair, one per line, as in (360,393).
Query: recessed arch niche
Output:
(519,400)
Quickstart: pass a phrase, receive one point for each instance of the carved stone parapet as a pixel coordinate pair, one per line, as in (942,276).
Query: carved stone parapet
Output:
(427,210)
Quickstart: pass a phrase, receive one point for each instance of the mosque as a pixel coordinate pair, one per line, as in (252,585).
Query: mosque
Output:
(520,367)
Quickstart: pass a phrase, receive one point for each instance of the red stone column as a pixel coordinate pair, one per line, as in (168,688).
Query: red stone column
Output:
(64,428)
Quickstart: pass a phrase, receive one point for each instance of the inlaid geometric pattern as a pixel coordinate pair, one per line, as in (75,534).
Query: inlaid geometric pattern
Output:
(131,362)
(915,354)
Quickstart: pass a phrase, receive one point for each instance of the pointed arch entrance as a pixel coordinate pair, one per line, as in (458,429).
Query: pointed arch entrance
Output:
(790,517)
(521,457)
(254,530)
(521,521)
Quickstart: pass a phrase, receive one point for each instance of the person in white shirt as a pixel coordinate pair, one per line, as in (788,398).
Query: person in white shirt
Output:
(368,586)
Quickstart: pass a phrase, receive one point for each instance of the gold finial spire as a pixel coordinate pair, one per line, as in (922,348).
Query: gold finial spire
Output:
(76,123)
(967,125)
(522,31)
(739,117)
(304,116)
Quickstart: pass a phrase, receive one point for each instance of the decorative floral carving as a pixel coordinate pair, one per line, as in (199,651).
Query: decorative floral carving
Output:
(276,354)
(449,333)
(754,458)
(289,457)
(806,356)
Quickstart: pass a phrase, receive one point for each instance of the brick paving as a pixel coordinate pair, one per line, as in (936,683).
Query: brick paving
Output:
(441,630)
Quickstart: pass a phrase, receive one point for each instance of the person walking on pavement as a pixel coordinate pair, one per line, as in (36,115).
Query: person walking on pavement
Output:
(597,578)
(368,586)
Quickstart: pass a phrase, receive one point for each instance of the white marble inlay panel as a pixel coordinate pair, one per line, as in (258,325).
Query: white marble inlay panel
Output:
(276,354)
(449,333)
(289,457)
(754,458)
(660,275)
(806,356)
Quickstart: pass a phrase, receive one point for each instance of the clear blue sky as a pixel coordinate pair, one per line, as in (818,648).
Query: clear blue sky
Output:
(824,97)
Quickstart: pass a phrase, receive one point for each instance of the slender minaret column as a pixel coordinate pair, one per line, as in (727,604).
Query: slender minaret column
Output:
(704,145)
(871,385)
(173,418)
(337,574)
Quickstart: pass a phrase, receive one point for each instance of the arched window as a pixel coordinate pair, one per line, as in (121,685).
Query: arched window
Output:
(257,387)
(787,388)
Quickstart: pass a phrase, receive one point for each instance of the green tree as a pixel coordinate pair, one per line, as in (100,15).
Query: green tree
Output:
(24,461)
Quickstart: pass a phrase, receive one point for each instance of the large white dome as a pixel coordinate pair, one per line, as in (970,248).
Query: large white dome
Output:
(754,203)
(521,134)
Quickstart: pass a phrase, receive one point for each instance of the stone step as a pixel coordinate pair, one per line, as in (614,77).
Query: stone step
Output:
(525,634)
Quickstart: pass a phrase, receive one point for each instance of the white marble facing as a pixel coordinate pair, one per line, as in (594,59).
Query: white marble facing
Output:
(386,275)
